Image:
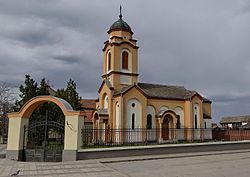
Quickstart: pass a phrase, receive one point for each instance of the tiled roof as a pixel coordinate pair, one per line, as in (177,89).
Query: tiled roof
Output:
(89,114)
(88,103)
(161,91)
(235,119)
(166,91)
(206,100)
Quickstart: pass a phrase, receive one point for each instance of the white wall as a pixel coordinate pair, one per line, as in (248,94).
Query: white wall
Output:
(151,110)
(105,105)
(151,134)
(164,108)
(180,132)
(132,135)
(208,130)
(117,115)
(133,110)
(196,111)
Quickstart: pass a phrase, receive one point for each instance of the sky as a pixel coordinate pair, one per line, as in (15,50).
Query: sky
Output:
(203,45)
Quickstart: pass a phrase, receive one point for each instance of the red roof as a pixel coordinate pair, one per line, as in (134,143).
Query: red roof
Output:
(88,103)
(89,106)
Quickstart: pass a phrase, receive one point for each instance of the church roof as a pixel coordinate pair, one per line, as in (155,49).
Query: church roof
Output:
(162,91)
(166,91)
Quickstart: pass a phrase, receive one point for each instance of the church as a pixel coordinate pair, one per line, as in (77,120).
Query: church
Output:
(165,112)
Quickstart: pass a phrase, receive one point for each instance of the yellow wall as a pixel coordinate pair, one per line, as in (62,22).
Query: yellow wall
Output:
(207,109)
(73,127)
(121,34)
(116,58)
(16,133)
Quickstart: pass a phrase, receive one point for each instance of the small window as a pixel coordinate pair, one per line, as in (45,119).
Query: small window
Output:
(205,125)
(133,121)
(149,121)
(133,105)
(124,60)
(195,121)
(109,61)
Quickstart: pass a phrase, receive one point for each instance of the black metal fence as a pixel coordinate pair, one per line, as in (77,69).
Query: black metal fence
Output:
(96,138)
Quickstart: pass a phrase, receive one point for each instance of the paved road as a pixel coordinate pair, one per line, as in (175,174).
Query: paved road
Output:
(227,164)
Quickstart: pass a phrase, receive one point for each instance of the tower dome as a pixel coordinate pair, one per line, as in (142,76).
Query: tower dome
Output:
(120,24)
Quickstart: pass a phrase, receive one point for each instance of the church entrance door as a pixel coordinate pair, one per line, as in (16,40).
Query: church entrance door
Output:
(165,128)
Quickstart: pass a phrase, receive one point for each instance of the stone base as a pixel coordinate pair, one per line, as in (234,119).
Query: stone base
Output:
(69,155)
(14,155)
(160,140)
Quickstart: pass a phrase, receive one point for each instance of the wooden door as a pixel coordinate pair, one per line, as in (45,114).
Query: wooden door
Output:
(165,129)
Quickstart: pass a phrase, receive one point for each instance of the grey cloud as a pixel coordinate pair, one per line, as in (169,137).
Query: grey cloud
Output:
(200,44)
(68,59)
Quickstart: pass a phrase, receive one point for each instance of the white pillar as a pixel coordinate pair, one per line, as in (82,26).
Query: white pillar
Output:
(73,137)
(16,138)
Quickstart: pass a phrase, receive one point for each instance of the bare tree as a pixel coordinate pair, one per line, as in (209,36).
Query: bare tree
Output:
(6,104)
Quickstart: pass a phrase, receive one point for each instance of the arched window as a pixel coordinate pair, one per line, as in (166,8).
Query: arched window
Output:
(109,61)
(195,121)
(178,122)
(149,121)
(124,60)
(105,104)
(133,121)
(117,115)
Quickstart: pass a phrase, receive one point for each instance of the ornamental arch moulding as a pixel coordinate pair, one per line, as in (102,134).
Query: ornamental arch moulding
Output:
(32,104)
(18,121)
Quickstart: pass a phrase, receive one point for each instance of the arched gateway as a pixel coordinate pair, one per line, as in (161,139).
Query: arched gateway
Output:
(69,133)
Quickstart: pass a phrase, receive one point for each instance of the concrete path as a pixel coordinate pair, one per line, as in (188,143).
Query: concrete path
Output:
(202,164)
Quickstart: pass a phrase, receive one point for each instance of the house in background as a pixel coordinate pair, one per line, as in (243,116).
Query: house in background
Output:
(235,122)
(88,106)
(125,103)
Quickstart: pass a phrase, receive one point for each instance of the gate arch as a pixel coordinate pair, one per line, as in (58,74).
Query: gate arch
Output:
(74,121)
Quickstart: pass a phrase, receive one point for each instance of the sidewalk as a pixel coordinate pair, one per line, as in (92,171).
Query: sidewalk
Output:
(91,168)
(3,150)
(88,168)
(63,169)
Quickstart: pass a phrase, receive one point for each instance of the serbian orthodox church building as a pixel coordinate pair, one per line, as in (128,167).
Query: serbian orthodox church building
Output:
(165,112)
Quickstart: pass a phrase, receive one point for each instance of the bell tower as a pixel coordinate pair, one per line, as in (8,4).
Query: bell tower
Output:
(120,61)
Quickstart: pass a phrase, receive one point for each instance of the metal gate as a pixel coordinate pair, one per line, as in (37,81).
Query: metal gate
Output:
(43,141)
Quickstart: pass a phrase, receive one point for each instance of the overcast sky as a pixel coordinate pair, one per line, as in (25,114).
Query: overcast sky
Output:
(203,45)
